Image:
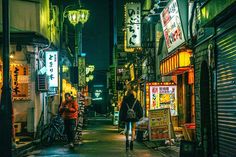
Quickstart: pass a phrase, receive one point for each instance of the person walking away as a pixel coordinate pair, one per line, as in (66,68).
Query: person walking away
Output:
(69,112)
(130,112)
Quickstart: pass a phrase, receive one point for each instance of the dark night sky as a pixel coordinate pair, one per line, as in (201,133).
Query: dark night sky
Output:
(96,34)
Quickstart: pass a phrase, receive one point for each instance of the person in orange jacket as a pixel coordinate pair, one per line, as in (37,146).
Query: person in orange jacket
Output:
(69,112)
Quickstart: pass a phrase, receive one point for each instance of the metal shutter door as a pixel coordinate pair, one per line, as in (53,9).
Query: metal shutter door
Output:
(226,93)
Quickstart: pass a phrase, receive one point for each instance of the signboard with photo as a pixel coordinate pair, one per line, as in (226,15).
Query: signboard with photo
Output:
(172,26)
(160,127)
(161,96)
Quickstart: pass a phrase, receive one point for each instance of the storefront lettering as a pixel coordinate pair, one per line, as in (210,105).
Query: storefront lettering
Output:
(133,24)
(15,81)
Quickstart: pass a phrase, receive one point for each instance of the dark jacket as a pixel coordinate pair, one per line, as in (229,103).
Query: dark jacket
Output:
(137,109)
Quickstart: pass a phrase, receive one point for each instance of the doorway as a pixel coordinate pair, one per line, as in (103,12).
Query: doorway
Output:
(205,110)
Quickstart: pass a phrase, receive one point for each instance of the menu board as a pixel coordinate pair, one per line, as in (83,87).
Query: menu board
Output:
(160,127)
(163,97)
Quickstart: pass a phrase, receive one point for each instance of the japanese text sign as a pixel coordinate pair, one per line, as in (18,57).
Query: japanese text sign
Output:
(133,24)
(162,96)
(20,81)
(52,67)
(172,27)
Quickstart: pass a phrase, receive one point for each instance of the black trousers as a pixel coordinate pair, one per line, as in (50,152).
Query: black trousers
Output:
(70,125)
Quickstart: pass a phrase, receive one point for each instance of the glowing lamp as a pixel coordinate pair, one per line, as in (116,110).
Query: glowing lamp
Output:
(83,15)
(73,17)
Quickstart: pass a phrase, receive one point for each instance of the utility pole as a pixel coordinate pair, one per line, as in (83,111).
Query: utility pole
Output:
(60,47)
(6,101)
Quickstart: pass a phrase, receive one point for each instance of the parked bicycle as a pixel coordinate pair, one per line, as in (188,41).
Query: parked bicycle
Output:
(54,131)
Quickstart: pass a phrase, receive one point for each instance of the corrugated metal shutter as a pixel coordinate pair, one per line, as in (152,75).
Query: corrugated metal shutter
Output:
(226,93)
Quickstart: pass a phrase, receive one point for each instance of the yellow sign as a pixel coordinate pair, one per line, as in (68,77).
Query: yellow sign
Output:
(160,127)
(20,81)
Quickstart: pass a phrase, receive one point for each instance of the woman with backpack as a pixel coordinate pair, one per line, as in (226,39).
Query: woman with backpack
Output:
(130,112)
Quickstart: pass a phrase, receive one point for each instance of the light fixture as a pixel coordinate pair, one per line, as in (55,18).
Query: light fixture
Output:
(83,15)
(73,17)
(12,54)
(76,14)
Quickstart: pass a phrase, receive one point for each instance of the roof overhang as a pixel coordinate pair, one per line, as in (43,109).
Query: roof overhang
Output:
(176,63)
(25,38)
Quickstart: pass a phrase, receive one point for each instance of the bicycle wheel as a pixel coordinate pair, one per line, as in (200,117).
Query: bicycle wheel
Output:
(47,136)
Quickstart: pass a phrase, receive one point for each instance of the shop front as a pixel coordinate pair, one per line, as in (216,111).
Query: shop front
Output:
(215,79)
(176,67)
(21,87)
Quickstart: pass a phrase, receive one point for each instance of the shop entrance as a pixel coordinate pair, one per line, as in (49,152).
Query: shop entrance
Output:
(205,110)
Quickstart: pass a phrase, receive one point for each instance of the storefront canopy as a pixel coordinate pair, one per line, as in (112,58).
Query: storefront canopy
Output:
(176,63)
(25,38)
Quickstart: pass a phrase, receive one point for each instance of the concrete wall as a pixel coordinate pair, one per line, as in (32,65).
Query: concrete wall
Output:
(29,16)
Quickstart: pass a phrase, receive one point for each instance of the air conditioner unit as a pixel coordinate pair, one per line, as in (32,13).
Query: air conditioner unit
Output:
(42,80)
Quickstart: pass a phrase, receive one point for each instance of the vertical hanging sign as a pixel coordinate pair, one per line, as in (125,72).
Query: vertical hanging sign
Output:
(52,67)
(82,72)
(133,25)
(20,81)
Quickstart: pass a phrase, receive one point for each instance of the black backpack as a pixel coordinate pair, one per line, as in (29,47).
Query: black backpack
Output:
(130,111)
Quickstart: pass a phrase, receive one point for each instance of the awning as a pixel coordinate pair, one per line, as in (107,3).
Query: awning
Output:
(25,38)
(176,63)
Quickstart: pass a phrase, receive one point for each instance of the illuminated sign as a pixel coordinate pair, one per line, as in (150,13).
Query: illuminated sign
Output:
(133,24)
(162,95)
(98,94)
(20,79)
(172,27)
(90,69)
(82,72)
(132,75)
(52,67)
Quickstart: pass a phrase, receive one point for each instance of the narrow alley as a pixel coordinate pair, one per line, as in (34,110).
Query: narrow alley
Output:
(165,69)
(102,139)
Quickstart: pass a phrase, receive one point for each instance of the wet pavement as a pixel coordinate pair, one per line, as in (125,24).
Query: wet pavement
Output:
(100,139)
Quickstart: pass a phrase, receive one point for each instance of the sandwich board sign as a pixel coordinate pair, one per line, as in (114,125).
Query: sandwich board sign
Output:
(160,126)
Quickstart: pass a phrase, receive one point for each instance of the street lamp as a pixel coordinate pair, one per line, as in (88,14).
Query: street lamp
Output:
(76,15)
